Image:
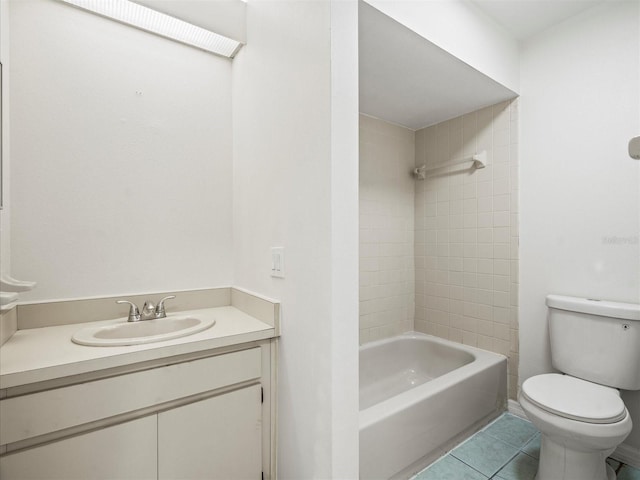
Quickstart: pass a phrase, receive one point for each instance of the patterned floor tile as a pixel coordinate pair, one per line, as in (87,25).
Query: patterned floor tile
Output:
(505,450)
(533,447)
(522,467)
(511,429)
(485,453)
(449,468)
(628,473)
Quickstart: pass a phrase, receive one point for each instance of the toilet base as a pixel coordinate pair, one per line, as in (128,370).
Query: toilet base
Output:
(558,462)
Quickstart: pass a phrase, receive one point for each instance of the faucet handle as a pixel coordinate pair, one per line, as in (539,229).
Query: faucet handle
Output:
(134,313)
(160,312)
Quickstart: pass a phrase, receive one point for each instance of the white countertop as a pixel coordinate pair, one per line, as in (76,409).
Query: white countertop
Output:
(40,354)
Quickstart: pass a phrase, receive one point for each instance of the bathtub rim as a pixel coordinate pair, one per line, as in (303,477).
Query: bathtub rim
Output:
(482,359)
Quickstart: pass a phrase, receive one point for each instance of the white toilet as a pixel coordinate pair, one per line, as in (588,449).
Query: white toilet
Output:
(580,414)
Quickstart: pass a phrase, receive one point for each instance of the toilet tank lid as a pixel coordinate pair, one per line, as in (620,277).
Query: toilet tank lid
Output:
(605,308)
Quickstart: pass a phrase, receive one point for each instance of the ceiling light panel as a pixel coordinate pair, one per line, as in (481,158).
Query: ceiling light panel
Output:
(150,20)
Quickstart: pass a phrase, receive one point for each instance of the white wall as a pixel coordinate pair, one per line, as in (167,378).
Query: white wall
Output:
(580,190)
(387,155)
(345,391)
(464,31)
(295,185)
(5,213)
(466,240)
(118,192)
(122,157)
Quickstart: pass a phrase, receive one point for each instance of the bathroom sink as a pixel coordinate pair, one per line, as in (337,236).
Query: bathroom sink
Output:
(144,331)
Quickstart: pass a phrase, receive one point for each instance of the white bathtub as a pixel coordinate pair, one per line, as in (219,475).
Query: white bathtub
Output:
(419,395)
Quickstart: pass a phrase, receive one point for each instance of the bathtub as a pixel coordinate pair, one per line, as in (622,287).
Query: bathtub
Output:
(419,396)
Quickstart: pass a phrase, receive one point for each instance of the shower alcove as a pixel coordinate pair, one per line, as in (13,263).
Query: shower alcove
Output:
(437,255)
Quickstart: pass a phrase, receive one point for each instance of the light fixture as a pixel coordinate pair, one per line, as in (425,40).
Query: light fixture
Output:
(152,21)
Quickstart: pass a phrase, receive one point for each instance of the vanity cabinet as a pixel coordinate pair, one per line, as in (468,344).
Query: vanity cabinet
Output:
(126,451)
(193,419)
(224,438)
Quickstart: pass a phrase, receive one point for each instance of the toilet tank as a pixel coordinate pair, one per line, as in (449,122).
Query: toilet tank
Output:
(596,340)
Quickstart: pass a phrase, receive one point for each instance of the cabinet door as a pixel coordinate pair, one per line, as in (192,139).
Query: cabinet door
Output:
(216,438)
(124,451)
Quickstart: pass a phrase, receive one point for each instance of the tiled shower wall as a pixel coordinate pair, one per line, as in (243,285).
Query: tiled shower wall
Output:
(466,233)
(387,155)
(458,228)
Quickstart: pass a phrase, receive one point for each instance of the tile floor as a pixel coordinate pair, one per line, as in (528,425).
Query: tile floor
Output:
(506,449)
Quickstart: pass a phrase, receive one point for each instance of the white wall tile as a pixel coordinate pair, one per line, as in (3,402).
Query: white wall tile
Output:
(475,265)
(440,256)
(484,189)
(484,204)
(485,250)
(393,229)
(501,203)
(501,155)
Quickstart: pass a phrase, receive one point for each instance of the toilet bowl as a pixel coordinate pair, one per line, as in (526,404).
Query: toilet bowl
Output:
(579,412)
(581,424)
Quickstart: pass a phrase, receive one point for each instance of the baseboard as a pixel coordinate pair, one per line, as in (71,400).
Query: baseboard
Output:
(627,454)
(514,408)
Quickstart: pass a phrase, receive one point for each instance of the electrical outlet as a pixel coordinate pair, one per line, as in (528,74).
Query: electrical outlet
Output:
(277,262)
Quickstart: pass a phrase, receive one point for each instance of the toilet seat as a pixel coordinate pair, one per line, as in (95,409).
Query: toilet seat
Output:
(575,399)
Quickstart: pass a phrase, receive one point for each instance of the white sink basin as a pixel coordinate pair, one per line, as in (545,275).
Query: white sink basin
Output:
(144,331)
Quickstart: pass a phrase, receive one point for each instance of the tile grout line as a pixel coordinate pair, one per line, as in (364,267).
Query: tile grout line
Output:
(472,468)
(505,464)
(495,475)
(494,438)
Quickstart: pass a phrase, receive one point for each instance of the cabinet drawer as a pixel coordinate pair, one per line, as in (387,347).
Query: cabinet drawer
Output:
(49,411)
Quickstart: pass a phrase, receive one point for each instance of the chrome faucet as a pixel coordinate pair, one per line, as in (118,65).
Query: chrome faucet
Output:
(159,310)
(149,311)
(134,313)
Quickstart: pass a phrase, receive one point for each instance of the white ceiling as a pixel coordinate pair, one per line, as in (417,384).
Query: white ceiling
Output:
(406,79)
(524,18)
